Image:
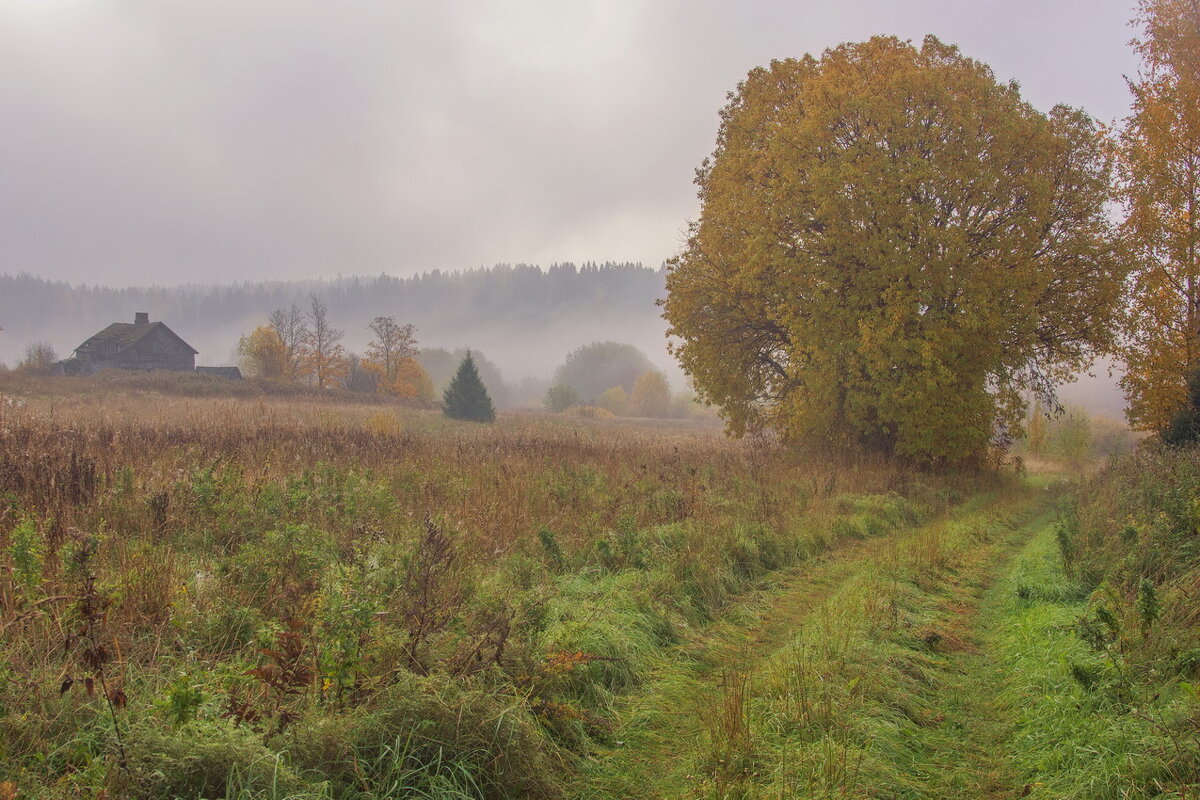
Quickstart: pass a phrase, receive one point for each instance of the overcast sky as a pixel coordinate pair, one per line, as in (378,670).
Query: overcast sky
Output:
(153,141)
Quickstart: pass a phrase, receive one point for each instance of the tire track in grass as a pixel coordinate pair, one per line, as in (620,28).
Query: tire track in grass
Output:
(700,727)
(967,751)
(666,718)
(1066,742)
(899,711)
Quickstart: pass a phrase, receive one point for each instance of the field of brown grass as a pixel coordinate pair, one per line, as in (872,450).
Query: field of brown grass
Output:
(217,595)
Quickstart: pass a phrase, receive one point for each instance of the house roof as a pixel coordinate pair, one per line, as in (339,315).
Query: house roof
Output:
(126,334)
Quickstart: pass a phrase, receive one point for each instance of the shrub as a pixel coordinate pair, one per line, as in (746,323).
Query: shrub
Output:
(560,397)
(614,400)
(651,396)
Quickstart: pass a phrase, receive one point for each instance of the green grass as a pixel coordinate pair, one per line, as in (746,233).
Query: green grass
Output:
(320,602)
(944,662)
(833,684)
(1071,742)
(301,601)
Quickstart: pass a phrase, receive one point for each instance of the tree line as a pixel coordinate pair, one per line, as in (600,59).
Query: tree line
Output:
(305,347)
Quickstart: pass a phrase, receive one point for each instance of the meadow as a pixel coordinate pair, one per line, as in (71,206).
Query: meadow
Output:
(231,597)
(306,597)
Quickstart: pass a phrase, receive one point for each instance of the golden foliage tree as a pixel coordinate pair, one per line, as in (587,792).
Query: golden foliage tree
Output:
(893,250)
(263,354)
(392,356)
(410,381)
(1160,178)
(614,399)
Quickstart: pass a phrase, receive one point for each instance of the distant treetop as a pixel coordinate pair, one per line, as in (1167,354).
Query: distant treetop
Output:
(596,367)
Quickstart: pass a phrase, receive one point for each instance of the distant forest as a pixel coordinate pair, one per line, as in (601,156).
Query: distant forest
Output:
(523,318)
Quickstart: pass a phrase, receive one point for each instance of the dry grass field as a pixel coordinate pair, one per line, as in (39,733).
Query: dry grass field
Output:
(239,595)
(214,596)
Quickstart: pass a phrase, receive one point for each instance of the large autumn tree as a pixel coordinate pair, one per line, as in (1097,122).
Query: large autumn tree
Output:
(894,250)
(1160,178)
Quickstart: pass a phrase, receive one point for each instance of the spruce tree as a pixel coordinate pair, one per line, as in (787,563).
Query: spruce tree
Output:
(466,397)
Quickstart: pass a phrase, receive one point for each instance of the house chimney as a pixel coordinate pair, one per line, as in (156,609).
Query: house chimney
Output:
(141,318)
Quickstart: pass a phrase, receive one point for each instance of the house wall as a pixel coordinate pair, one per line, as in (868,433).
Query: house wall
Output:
(157,350)
(175,361)
(92,367)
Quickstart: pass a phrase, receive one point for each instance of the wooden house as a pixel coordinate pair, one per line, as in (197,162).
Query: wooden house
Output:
(140,345)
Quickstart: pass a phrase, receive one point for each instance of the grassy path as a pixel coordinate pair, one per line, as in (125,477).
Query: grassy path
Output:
(859,675)
(665,720)
(1068,742)
(1013,722)
(968,750)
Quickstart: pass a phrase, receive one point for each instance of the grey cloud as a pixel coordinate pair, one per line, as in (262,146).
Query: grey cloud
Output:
(163,141)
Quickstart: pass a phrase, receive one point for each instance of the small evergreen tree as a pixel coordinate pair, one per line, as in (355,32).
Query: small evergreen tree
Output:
(466,397)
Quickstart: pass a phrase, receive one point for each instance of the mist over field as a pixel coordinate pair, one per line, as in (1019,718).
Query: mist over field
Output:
(159,144)
(523,319)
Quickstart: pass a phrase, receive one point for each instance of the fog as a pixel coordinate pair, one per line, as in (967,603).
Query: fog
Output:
(1096,391)
(523,319)
(169,142)
(178,144)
